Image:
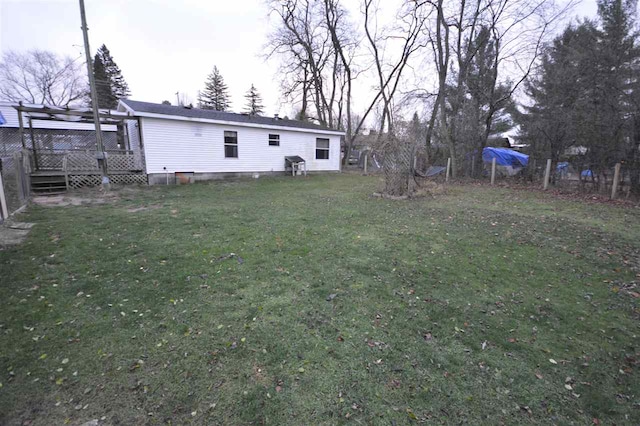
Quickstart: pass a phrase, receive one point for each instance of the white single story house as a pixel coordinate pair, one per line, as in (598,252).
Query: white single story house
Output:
(209,144)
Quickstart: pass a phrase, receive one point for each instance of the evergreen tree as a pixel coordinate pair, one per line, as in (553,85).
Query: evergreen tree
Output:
(106,98)
(584,95)
(254,102)
(549,126)
(110,83)
(215,95)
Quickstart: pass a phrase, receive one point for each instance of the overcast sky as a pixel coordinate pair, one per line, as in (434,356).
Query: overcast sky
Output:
(163,46)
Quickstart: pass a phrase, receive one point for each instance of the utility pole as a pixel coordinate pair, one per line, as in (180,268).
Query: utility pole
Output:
(178,98)
(100,154)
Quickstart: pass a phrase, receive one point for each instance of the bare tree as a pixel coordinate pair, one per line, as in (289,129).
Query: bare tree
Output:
(508,34)
(41,77)
(405,35)
(302,40)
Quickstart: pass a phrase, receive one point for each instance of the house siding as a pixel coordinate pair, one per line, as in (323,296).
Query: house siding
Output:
(186,146)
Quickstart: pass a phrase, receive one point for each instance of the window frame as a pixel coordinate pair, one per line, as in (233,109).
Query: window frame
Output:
(325,151)
(274,137)
(228,144)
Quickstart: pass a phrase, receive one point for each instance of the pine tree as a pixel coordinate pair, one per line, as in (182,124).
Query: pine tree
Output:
(215,95)
(106,98)
(110,83)
(254,102)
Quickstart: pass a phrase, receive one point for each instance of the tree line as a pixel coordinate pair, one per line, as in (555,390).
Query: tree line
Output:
(585,95)
(215,96)
(42,77)
(476,67)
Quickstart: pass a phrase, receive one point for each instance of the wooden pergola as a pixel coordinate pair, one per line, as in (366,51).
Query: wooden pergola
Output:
(72,115)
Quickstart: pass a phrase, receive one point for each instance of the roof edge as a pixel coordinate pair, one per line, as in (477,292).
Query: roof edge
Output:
(228,122)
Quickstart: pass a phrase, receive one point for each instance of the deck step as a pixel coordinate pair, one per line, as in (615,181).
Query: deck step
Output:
(48,184)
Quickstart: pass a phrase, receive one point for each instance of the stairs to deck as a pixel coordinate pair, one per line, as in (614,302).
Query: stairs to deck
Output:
(48,183)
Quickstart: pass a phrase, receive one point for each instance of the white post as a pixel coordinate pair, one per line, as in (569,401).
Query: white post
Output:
(616,179)
(3,200)
(493,171)
(448,173)
(547,174)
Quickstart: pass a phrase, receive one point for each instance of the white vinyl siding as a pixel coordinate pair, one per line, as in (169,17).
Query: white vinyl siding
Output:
(173,144)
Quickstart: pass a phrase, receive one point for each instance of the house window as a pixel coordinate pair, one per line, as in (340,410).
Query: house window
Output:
(230,144)
(322,149)
(274,140)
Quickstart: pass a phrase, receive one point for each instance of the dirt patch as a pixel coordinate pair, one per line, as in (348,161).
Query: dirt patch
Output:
(65,200)
(13,233)
(89,196)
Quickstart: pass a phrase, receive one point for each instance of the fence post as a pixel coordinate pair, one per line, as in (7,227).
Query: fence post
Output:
(493,171)
(366,157)
(473,166)
(616,179)
(446,178)
(547,174)
(3,200)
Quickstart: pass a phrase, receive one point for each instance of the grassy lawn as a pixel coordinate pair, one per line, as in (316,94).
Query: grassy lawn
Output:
(307,301)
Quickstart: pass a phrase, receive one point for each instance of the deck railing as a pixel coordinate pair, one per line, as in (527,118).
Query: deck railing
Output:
(85,161)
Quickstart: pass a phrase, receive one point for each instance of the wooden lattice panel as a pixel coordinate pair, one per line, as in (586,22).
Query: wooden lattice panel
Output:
(83,181)
(49,161)
(81,162)
(122,162)
(129,179)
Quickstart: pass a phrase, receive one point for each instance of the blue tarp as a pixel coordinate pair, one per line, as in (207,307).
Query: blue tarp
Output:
(505,157)
(435,170)
(562,166)
(2,119)
(587,173)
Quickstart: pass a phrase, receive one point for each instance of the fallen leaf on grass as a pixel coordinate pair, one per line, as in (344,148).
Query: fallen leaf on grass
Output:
(553,361)
(539,376)
(411,415)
